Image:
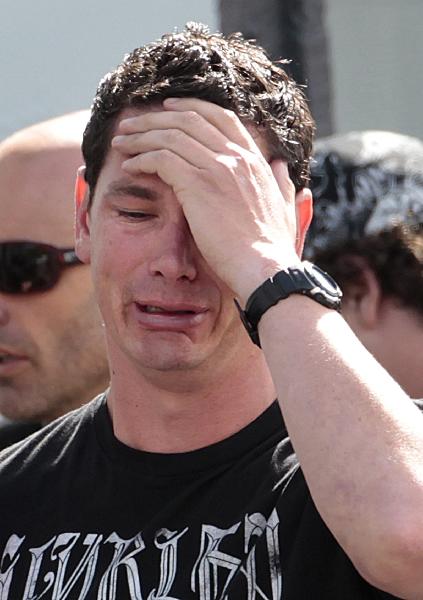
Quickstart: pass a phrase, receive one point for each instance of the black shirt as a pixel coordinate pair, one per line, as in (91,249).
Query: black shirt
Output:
(82,516)
(15,431)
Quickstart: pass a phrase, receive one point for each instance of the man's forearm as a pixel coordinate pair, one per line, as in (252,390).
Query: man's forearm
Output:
(358,437)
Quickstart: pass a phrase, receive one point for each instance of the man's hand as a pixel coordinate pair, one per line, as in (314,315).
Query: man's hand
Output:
(242,221)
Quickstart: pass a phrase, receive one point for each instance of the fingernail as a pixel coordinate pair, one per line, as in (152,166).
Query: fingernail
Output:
(118,139)
(171,100)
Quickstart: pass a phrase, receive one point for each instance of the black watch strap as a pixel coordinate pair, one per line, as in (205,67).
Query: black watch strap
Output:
(306,279)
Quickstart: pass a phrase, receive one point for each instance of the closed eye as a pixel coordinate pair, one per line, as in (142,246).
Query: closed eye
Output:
(134,215)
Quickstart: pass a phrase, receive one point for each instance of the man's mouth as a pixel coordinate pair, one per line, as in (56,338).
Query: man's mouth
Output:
(4,358)
(10,362)
(151,309)
(7,355)
(170,316)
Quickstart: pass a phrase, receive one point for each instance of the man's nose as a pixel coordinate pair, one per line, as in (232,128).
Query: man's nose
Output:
(175,257)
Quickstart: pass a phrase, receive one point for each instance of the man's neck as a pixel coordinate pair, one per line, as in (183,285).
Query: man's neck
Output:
(184,411)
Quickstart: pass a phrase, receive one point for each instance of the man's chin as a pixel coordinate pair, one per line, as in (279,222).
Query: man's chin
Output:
(167,362)
(172,353)
(14,408)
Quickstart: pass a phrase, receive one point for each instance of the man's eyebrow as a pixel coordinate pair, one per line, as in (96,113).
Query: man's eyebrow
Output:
(131,189)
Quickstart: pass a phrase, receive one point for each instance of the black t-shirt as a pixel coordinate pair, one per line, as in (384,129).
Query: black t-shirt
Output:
(15,431)
(82,516)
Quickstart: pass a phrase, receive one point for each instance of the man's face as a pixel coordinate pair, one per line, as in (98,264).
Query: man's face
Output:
(52,354)
(164,309)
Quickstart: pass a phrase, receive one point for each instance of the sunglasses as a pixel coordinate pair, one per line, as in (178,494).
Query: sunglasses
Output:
(27,267)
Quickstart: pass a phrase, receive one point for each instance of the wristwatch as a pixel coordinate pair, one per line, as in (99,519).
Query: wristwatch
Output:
(306,279)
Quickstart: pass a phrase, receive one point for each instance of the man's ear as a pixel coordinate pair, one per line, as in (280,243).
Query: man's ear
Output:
(304,212)
(82,217)
(363,296)
(303,201)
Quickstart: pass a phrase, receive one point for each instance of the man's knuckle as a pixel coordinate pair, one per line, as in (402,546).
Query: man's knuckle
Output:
(192,118)
(164,154)
(230,116)
(172,137)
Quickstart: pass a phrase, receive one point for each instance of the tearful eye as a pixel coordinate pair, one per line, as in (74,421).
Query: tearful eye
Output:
(134,215)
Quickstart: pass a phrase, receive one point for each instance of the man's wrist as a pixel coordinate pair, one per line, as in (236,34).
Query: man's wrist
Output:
(257,274)
(303,279)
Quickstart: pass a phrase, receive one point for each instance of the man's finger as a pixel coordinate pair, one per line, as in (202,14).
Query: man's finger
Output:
(224,120)
(170,168)
(174,140)
(281,174)
(189,122)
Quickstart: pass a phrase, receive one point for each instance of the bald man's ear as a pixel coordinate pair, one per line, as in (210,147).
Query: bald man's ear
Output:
(82,217)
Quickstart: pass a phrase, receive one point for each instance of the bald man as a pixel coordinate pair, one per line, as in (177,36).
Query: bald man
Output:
(52,349)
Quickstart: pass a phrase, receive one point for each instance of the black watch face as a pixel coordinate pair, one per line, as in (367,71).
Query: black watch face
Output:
(323,279)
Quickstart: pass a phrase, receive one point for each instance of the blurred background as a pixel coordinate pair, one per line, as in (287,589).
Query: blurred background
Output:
(361,60)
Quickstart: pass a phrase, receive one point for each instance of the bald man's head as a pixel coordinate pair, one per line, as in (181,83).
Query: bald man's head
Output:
(62,130)
(37,168)
(52,354)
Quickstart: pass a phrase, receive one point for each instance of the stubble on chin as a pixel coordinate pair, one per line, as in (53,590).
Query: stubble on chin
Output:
(19,402)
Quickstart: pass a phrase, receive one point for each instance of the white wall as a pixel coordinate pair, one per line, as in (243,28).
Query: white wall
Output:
(54,52)
(377,56)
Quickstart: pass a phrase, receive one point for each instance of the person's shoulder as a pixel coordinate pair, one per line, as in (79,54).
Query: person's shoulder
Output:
(14,431)
(51,442)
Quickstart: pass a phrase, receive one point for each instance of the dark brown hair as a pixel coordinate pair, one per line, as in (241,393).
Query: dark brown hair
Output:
(231,72)
(368,194)
(395,256)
